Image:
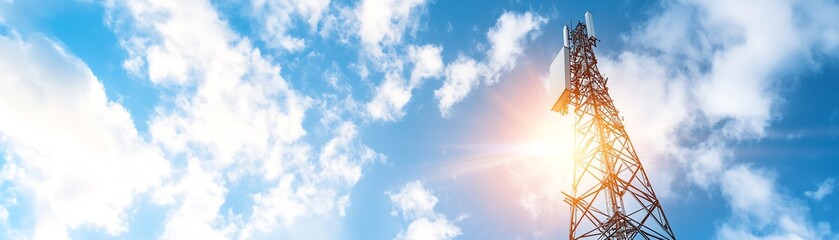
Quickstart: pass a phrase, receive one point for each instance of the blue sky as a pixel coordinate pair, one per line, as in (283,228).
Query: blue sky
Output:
(404,119)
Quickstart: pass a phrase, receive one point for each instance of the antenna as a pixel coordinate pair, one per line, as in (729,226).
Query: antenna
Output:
(590,25)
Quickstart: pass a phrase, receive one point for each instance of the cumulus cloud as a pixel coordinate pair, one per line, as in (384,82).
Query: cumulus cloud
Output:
(73,155)
(507,39)
(233,117)
(416,204)
(427,63)
(825,188)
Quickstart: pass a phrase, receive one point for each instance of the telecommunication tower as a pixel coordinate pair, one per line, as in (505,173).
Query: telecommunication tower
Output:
(611,197)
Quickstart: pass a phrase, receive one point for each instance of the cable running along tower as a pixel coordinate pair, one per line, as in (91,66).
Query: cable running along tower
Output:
(611,197)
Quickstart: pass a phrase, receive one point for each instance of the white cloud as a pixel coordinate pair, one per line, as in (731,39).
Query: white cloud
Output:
(416,204)
(749,191)
(381,26)
(276,19)
(825,188)
(394,93)
(280,203)
(340,162)
(340,156)
(74,156)
(413,201)
(759,211)
(318,191)
(425,229)
(201,194)
(506,40)
(427,63)
(391,97)
(384,22)
(189,38)
(461,76)
(234,117)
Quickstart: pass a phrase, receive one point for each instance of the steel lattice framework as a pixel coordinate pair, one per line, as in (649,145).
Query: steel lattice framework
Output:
(612,197)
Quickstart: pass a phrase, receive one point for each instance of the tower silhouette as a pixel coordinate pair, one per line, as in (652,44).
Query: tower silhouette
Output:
(611,197)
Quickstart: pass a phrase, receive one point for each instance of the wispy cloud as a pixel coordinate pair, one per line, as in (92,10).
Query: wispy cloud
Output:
(825,188)
(277,18)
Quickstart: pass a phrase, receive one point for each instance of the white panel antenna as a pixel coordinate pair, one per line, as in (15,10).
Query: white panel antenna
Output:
(590,25)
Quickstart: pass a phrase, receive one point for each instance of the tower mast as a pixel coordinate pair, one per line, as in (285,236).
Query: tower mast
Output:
(611,198)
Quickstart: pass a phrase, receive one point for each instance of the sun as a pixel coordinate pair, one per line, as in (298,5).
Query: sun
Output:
(541,139)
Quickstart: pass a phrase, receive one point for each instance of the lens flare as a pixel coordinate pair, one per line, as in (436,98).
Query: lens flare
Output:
(523,159)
